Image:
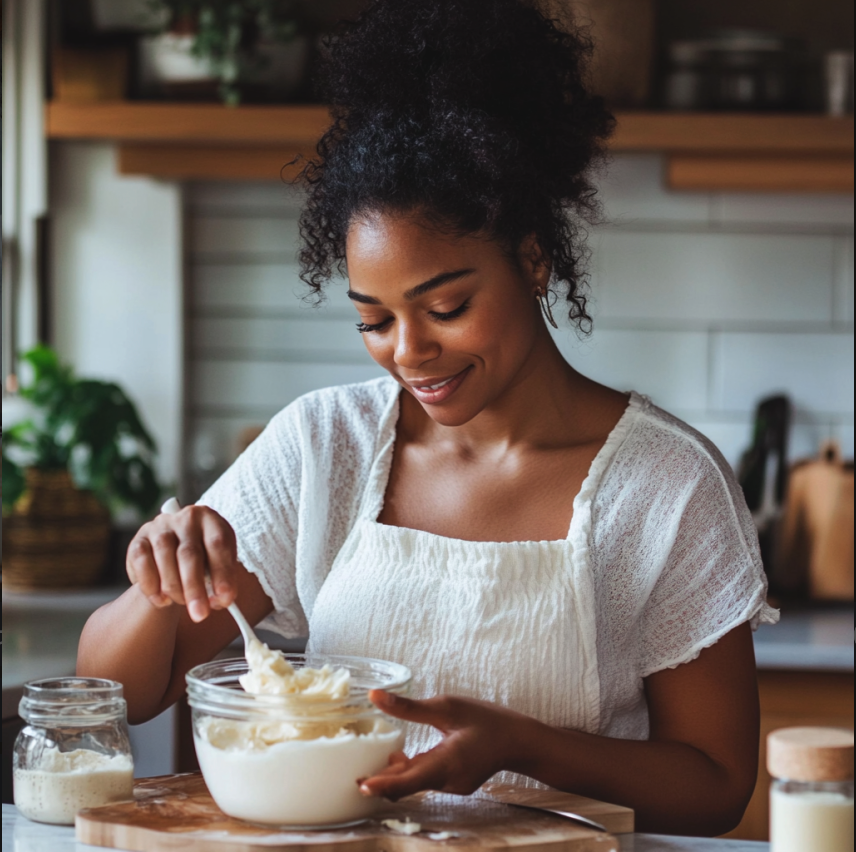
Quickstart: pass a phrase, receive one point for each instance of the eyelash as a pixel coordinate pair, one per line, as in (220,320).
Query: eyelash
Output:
(365,328)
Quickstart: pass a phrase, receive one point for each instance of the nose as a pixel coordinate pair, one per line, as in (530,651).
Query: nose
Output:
(415,345)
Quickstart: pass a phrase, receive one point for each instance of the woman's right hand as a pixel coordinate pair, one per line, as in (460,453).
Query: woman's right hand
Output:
(169,557)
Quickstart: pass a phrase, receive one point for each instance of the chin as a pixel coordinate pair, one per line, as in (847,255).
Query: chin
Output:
(451,415)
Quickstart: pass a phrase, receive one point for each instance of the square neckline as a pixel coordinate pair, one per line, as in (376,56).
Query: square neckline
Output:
(374,496)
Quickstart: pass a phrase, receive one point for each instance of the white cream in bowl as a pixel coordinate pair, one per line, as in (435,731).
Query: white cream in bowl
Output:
(290,748)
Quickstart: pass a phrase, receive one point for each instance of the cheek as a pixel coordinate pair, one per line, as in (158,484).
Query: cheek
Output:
(380,347)
(507,330)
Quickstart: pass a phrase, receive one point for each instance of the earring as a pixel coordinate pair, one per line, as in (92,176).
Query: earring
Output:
(544,299)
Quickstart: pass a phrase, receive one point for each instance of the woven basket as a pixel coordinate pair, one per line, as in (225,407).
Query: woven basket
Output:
(57,536)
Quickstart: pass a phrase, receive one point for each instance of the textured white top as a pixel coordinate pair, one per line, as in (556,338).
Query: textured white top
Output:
(660,562)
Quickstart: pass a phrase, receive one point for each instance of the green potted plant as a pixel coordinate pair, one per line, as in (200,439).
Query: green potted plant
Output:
(80,453)
(245,45)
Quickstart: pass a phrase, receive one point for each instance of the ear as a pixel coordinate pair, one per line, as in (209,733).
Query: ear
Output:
(534,263)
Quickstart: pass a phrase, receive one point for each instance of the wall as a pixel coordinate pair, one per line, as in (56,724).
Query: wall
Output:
(116,273)
(705,302)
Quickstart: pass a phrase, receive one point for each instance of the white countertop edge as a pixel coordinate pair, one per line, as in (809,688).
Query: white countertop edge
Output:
(800,657)
(21,835)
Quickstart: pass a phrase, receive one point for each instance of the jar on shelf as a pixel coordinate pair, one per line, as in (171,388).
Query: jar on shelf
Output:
(811,797)
(74,751)
(752,70)
(688,81)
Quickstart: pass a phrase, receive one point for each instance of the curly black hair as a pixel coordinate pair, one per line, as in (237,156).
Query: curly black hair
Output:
(475,114)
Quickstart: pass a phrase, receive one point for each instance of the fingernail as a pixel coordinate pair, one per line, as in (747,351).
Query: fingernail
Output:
(197,610)
(365,790)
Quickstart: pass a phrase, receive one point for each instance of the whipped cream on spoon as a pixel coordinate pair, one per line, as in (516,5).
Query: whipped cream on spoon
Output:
(269,672)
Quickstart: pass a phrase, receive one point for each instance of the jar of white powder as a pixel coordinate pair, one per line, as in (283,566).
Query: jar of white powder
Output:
(74,751)
(293,759)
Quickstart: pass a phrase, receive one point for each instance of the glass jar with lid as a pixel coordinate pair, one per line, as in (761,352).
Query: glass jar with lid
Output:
(811,798)
(294,761)
(74,751)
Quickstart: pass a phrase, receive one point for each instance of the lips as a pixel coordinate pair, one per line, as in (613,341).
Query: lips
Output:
(434,391)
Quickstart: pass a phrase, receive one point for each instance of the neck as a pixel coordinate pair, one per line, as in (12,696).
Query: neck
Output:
(540,408)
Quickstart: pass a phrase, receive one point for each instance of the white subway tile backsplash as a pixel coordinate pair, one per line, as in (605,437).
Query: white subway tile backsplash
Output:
(700,302)
(781,209)
(245,195)
(262,287)
(843,308)
(281,337)
(243,235)
(668,366)
(268,386)
(633,190)
(843,433)
(815,370)
(256,286)
(714,278)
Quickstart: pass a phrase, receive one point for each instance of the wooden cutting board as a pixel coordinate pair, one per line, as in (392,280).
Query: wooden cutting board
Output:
(177,812)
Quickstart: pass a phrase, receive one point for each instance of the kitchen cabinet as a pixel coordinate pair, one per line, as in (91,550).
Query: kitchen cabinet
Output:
(704,152)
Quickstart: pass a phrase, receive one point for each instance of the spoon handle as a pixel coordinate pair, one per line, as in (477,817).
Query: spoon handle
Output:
(589,823)
(173,507)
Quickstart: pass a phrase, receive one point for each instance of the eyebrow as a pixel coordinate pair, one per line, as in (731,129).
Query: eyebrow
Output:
(418,290)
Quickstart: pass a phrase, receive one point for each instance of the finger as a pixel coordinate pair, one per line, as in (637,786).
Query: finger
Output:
(398,758)
(142,570)
(222,556)
(425,772)
(191,567)
(398,762)
(432,711)
(164,543)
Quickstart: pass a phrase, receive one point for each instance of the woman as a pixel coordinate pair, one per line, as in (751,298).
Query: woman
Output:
(571,573)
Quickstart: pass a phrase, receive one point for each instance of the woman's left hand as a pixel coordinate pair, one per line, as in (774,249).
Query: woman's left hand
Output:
(478,739)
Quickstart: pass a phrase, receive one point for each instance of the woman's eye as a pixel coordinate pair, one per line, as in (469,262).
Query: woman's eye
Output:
(445,317)
(365,328)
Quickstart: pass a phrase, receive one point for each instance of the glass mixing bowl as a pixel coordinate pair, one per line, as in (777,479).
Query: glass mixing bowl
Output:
(293,761)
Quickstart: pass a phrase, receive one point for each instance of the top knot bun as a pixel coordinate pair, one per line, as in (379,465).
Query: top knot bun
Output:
(503,58)
(475,111)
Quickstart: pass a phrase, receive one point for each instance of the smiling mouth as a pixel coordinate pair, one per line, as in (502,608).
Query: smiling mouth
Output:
(437,392)
(437,386)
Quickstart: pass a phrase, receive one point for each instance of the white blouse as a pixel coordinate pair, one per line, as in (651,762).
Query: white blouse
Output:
(660,562)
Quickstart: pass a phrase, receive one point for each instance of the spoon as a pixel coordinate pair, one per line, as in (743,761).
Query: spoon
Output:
(589,823)
(173,507)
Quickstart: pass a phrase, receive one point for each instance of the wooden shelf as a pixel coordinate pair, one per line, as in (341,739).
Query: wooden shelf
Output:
(705,151)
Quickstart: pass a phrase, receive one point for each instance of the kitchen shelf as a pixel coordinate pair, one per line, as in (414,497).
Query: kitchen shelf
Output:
(704,151)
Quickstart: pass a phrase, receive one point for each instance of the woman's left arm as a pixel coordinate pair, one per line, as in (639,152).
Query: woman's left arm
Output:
(694,775)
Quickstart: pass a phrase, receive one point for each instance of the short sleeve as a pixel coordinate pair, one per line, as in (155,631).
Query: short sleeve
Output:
(259,495)
(707,566)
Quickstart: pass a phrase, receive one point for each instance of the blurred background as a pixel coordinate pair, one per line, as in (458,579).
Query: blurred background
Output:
(149,239)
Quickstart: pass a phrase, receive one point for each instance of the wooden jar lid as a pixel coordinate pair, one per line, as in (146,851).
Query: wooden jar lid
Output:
(811,754)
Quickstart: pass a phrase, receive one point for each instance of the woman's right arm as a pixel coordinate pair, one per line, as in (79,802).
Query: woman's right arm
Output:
(165,624)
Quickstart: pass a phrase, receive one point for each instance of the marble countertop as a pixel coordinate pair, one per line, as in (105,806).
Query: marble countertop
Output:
(21,835)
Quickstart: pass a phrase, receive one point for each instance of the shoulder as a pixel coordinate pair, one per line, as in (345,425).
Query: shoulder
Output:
(349,413)
(665,448)
(665,468)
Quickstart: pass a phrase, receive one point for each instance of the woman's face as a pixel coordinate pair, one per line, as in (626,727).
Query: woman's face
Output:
(454,320)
